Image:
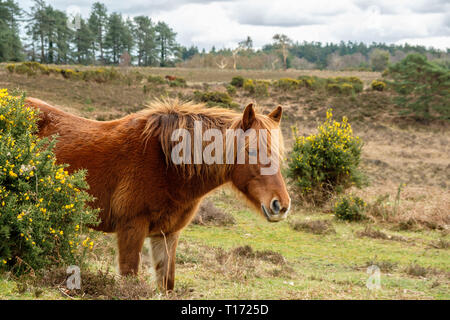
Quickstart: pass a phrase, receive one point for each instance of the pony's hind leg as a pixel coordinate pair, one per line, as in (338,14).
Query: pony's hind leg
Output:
(130,238)
(164,248)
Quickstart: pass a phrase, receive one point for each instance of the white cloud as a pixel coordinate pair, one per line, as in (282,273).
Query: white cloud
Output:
(223,23)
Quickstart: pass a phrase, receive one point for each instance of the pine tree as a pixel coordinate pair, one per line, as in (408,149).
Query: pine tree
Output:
(10,44)
(144,35)
(424,86)
(118,37)
(165,37)
(127,37)
(37,28)
(83,40)
(63,36)
(98,20)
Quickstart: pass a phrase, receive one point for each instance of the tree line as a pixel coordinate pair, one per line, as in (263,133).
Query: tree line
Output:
(108,38)
(102,38)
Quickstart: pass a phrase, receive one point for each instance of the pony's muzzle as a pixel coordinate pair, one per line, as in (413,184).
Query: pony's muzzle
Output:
(276,212)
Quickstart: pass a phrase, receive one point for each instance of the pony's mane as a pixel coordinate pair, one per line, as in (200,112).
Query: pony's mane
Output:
(164,116)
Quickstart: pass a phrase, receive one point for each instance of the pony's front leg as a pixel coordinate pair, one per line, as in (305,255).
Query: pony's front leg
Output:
(130,238)
(163,253)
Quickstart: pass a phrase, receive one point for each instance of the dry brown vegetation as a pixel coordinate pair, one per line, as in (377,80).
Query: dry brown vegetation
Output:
(209,214)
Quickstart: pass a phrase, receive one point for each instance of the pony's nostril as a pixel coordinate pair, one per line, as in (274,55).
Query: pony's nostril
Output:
(275,206)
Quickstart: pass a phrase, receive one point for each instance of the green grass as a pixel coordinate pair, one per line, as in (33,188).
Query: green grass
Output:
(324,266)
(331,266)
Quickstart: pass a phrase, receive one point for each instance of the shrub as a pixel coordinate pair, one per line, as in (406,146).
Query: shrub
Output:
(213,98)
(356,83)
(249,86)
(334,88)
(237,81)
(98,75)
(287,84)
(344,85)
(178,82)
(231,90)
(262,88)
(155,79)
(308,82)
(326,162)
(378,85)
(23,69)
(10,67)
(42,207)
(71,74)
(349,208)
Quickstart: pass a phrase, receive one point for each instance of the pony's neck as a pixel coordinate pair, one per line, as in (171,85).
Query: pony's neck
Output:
(205,178)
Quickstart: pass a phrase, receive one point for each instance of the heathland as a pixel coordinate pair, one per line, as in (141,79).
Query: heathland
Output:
(231,252)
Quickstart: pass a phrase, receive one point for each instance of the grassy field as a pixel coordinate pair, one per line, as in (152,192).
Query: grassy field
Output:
(311,255)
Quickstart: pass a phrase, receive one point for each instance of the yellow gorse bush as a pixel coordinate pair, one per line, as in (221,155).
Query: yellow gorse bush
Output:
(349,208)
(328,160)
(41,205)
(378,85)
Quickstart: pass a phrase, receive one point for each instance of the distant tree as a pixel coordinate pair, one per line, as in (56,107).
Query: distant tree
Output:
(165,38)
(188,53)
(283,42)
(97,22)
(83,39)
(145,37)
(423,86)
(116,38)
(64,36)
(37,27)
(127,35)
(10,44)
(348,61)
(379,59)
(48,30)
(246,44)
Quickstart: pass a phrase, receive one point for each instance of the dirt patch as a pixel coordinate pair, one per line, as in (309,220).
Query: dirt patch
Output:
(370,232)
(384,265)
(209,214)
(265,255)
(314,226)
(440,244)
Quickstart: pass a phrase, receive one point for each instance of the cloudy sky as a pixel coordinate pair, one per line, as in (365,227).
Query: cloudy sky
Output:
(223,23)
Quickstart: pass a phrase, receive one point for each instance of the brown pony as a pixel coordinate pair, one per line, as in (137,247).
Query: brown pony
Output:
(171,78)
(140,191)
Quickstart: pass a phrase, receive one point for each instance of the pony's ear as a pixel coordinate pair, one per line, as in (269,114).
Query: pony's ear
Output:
(249,117)
(276,114)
